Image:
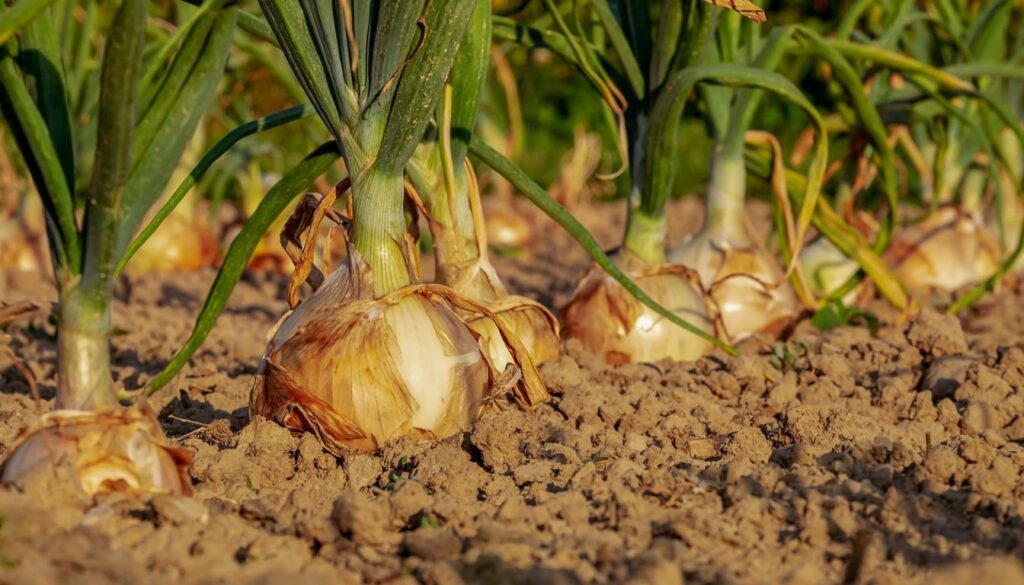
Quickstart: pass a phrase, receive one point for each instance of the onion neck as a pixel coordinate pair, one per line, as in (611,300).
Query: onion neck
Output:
(726,196)
(379,228)
(83,348)
(645,234)
(455,240)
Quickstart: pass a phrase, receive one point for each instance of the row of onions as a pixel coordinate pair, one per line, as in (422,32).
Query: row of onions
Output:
(886,191)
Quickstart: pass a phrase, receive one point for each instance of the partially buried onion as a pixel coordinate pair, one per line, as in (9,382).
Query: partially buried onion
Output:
(744,282)
(476,279)
(948,250)
(358,371)
(612,323)
(111,450)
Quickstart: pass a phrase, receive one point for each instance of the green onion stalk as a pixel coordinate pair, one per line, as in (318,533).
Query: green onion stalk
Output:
(374,354)
(147,111)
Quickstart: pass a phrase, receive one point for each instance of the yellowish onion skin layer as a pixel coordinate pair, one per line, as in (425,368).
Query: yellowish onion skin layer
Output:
(110,450)
(533,324)
(948,250)
(610,322)
(182,244)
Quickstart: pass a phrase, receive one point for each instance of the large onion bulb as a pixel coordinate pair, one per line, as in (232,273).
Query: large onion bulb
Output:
(612,323)
(112,450)
(358,371)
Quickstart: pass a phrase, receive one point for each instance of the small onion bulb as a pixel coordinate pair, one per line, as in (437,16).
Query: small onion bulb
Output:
(612,323)
(745,284)
(948,250)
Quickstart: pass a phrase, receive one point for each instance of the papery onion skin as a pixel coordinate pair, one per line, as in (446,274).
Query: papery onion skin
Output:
(744,283)
(111,450)
(358,372)
(612,323)
(533,324)
(948,250)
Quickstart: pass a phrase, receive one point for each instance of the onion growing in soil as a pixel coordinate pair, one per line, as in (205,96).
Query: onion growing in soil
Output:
(949,249)
(373,354)
(107,450)
(149,105)
(358,370)
(744,282)
(612,323)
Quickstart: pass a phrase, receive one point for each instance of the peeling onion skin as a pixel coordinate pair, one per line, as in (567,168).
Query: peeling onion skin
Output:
(948,250)
(111,450)
(745,284)
(612,323)
(359,371)
(531,322)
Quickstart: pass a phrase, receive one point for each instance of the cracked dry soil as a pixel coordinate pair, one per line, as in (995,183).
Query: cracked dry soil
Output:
(894,458)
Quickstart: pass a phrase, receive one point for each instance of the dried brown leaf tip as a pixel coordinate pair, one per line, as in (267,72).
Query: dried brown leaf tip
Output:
(746,9)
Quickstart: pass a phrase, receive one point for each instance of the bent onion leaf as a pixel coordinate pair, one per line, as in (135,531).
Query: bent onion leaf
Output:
(213,155)
(273,204)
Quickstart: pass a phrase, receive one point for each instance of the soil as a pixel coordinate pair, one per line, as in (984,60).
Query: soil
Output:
(836,457)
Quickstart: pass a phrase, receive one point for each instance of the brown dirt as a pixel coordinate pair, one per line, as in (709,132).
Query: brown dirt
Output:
(856,459)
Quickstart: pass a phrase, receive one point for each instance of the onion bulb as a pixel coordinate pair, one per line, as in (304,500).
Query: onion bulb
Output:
(946,251)
(22,235)
(612,323)
(111,450)
(358,371)
(745,283)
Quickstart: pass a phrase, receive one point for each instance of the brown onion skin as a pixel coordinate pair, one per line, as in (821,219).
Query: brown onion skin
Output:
(111,450)
(611,323)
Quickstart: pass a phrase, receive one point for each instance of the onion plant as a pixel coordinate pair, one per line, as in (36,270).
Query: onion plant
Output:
(659,66)
(150,100)
(953,145)
(441,174)
(374,354)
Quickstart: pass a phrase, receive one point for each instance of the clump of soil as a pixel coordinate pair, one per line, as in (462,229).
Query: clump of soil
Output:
(835,457)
